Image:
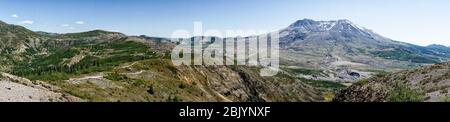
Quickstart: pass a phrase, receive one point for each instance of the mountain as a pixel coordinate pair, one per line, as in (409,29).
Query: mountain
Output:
(47,33)
(428,83)
(109,66)
(14,40)
(438,46)
(439,49)
(348,52)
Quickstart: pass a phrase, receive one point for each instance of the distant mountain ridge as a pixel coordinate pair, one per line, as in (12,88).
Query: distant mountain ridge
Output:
(440,49)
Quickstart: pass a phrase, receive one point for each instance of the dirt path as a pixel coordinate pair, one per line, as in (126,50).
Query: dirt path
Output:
(127,66)
(134,73)
(91,77)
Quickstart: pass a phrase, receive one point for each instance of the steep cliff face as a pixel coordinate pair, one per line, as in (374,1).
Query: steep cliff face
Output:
(245,84)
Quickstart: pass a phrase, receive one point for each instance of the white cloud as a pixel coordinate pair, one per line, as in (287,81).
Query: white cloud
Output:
(65,25)
(15,16)
(30,22)
(79,22)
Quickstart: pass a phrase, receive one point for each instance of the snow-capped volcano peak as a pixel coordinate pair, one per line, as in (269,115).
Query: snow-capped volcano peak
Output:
(327,25)
(349,23)
(313,25)
(338,30)
(309,25)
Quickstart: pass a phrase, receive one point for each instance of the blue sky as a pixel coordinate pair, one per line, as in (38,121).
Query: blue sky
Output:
(419,22)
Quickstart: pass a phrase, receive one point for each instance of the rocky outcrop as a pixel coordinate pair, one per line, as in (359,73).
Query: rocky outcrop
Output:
(371,92)
(17,89)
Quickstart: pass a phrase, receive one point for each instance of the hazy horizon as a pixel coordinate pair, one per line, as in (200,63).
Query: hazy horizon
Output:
(417,22)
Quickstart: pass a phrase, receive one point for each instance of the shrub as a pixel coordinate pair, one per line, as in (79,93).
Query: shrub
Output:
(445,99)
(174,98)
(324,84)
(403,93)
(116,77)
(150,90)
(362,82)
